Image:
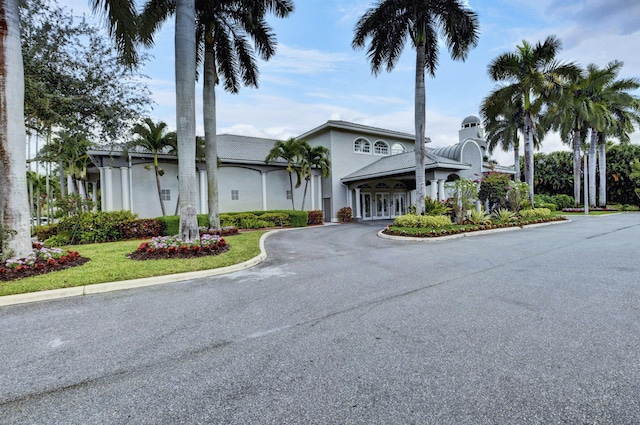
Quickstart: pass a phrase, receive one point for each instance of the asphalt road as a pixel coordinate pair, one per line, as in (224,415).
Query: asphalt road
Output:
(338,326)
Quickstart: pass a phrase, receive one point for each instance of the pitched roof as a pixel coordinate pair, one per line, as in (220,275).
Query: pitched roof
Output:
(402,163)
(233,148)
(359,128)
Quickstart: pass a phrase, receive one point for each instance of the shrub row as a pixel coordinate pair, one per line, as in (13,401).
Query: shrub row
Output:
(413,220)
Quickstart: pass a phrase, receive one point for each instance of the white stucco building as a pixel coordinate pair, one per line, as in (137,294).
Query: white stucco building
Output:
(372,171)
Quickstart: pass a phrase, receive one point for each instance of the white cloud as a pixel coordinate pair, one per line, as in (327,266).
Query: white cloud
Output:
(290,60)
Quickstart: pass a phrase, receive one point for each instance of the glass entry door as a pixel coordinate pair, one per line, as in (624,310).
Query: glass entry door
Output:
(365,200)
(399,204)
(382,205)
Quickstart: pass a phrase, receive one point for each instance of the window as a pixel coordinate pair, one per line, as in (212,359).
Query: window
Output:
(382,186)
(165,194)
(362,145)
(381,148)
(289,194)
(397,148)
(234,195)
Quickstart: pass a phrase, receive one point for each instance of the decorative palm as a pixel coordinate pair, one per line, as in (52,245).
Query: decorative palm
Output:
(313,157)
(621,112)
(502,119)
(532,73)
(223,30)
(291,151)
(390,23)
(153,138)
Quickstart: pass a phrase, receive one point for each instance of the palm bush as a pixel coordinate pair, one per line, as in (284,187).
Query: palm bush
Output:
(479,217)
(435,207)
(503,215)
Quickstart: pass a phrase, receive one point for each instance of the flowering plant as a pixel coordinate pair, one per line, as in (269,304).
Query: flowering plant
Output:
(172,246)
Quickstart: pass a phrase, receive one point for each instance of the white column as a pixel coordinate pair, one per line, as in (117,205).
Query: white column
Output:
(263,174)
(313,192)
(319,194)
(103,206)
(441,194)
(204,189)
(358,207)
(70,187)
(434,189)
(107,189)
(124,188)
(94,194)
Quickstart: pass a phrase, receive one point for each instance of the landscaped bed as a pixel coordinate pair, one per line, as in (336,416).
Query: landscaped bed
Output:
(455,229)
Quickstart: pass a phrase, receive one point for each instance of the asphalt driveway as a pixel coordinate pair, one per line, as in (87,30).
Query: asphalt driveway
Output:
(338,326)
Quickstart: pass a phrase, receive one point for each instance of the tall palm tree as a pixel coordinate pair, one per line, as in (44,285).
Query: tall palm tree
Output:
(532,73)
(291,151)
(390,22)
(222,30)
(621,111)
(502,119)
(14,202)
(152,137)
(313,157)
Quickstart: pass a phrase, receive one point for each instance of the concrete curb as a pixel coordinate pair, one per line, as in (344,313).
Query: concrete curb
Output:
(99,288)
(466,235)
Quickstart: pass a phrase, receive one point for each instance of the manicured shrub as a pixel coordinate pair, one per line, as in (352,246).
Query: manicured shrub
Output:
(315,217)
(412,220)
(298,218)
(563,201)
(535,212)
(170,225)
(345,215)
(549,205)
(278,219)
(96,226)
(44,232)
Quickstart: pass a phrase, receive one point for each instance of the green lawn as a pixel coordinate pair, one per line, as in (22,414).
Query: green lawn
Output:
(109,263)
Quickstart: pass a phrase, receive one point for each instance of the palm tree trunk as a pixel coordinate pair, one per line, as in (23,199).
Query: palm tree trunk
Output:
(602,168)
(577,167)
(14,205)
(420,119)
(304,195)
(155,160)
(516,161)
(211,144)
(592,167)
(293,207)
(528,154)
(185,62)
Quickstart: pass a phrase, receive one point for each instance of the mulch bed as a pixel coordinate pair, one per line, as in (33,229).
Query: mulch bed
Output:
(40,267)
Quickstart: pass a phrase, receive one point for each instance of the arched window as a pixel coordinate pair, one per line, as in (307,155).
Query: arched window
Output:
(397,148)
(380,148)
(362,145)
(382,186)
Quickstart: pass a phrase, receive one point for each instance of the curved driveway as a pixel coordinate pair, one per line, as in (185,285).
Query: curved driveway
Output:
(338,326)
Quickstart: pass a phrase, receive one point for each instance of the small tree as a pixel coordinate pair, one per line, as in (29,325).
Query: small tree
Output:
(291,151)
(465,193)
(517,196)
(493,188)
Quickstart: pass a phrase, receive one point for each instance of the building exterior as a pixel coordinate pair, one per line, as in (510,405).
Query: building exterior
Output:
(372,171)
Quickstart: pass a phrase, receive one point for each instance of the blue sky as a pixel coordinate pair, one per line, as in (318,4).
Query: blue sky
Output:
(316,75)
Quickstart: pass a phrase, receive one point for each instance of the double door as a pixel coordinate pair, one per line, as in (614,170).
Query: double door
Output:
(381,205)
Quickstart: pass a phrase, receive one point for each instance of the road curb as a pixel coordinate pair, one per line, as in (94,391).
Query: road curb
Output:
(99,288)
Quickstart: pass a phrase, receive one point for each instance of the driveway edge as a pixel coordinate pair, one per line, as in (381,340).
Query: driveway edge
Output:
(99,288)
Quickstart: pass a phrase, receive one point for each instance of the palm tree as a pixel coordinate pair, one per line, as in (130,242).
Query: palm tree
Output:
(532,73)
(313,157)
(153,138)
(390,22)
(14,202)
(291,151)
(221,29)
(621,110)
(502,119)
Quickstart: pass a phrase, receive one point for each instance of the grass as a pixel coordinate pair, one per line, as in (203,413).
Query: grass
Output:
(109,263)
(559,213)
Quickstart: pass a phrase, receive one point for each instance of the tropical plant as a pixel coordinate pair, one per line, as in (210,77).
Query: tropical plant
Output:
(313,158)
(390,23)
(413,220)
(152,137)
(532,73)
(502,119)
(435,207)
(479,217)
(493,189)
(517,196)
(290,151)
(554,173)
(222,32)
(535,212)
(503,215)
(465,193)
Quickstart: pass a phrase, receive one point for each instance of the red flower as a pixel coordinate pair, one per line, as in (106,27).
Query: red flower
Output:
(21,268)
(52,262)
(62,259)
(3,270)
(39,266)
